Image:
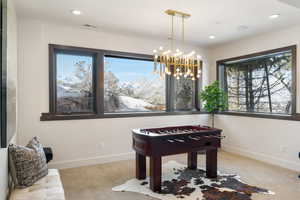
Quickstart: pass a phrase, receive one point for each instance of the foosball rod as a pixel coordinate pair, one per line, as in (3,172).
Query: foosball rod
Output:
(195,138)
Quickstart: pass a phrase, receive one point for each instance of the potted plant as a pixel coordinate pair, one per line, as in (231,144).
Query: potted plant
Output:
(214,99)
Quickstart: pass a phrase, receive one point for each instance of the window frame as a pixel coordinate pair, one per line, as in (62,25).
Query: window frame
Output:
(98,81)
(53,75)
(294,115)
(4,137)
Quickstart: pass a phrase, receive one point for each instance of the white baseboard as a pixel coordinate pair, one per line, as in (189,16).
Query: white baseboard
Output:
(91,161)
(130,155)
(295,166)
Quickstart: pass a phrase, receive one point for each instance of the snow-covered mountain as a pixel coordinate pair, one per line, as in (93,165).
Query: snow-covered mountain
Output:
(65,91)
(133,104)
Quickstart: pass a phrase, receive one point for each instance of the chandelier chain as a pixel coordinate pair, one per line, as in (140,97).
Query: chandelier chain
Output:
(183,31)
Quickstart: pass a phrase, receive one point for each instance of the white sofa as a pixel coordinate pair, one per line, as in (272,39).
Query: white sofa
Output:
(48,188)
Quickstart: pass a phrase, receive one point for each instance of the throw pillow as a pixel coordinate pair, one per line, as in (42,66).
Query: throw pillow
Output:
(27,164)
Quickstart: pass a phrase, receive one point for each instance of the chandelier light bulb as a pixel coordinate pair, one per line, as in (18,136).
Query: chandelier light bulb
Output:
(154,51)
(161,48)
(76,12)
(274,16)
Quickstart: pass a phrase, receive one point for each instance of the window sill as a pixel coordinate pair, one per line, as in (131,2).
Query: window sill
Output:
(295,117)
(56,117)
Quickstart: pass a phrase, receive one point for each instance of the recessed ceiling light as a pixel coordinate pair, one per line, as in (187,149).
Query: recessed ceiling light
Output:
(76,12)
(212,37)
(275,16)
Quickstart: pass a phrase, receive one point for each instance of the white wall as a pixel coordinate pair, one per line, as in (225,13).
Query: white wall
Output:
(77,142)
(273,141)
(12,76)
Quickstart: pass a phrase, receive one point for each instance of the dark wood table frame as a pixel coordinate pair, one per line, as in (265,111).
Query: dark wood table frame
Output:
(156,166)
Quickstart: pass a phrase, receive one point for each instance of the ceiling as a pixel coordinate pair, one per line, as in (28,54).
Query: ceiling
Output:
(227,20)
(295,3)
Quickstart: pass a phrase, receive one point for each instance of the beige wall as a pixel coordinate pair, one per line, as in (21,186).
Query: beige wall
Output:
(273,141)
(77,142)
(12,82)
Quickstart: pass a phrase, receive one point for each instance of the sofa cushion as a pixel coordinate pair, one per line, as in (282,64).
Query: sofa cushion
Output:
(27,164)
(47,188)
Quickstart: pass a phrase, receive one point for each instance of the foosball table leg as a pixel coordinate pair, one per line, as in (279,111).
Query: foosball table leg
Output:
(155,173)
(211,163)
(140,166)
(192,160)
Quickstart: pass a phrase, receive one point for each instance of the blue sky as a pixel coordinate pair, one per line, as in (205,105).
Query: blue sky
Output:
(125,70)
(129,70)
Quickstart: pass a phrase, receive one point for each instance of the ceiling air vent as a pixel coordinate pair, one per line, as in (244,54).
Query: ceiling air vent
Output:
(89,26)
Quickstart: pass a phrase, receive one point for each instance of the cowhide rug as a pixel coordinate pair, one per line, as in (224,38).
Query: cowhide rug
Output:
(178,182)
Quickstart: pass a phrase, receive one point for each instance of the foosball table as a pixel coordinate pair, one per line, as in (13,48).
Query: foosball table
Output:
(158,142)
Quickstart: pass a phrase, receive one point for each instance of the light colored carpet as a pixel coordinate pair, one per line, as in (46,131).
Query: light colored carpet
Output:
(178,182)
(95,182)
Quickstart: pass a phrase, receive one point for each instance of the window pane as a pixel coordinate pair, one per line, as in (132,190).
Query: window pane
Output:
(74,83)
(131,86)
(260,84)
(184,93)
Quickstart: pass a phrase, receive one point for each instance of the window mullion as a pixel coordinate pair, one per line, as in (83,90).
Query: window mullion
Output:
(99,83)
(169,99)
(171,92)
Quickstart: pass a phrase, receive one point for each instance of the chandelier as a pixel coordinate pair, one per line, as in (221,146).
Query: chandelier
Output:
(175,62)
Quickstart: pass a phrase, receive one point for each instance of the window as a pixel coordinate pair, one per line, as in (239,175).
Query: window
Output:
(260,83)
(93,83)
(184,94)
(130,86)
(74,88)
